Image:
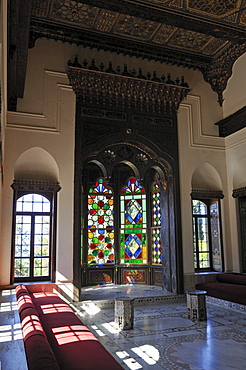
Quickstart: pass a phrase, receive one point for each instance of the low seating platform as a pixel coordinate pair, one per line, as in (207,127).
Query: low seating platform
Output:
(55,338)
(228,286)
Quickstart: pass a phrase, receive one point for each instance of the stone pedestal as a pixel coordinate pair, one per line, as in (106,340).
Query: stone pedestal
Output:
(196,304)
(124,313)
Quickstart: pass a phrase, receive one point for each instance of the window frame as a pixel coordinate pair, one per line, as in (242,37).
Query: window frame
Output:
(49,190)
(208,201)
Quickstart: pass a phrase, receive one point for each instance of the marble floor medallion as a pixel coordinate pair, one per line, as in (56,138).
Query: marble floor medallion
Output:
(224,350)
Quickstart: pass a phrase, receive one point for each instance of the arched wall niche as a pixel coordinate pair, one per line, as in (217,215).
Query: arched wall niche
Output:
(239,175)
(205,177)
(36,164)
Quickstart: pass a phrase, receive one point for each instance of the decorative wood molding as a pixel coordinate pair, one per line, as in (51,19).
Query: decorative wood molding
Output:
(233,123)
(36,185)
(126,92)
(219,71)
(241,192)
(189,34)
(206,194)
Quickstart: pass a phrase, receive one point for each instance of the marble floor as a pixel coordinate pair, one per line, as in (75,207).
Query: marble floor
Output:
(12,352)
(163,337)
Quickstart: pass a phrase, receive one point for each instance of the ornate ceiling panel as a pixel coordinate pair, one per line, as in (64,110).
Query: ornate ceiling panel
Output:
(205,35)
(127,26)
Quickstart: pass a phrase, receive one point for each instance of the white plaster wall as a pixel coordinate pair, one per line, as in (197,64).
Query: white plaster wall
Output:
(195,150)
(47,121)
(223,154)
(51,55)
(236,157)
(45,118)
(235,93)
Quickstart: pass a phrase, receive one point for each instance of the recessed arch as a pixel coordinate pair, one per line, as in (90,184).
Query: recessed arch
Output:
(101,166)
(239,176)
(133,168)
(206,177)
(36,164)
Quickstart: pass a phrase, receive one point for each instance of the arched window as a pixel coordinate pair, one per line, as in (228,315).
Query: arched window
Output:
(34,236)
(133,241)
(125,224)
(100,224)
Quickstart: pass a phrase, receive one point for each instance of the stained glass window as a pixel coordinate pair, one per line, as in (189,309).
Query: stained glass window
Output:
(156,225)
(100,224)
(133,242)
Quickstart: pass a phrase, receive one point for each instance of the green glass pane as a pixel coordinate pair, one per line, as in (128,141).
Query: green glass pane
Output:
(122,250)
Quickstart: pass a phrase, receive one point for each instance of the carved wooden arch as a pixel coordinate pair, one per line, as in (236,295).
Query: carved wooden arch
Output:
(137,153)
(141,159)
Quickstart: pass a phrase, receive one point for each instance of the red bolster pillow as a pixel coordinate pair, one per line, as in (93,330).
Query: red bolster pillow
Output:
(39,354)
(20,289)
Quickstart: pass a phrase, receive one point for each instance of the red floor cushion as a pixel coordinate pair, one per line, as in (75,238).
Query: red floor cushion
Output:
(74,346)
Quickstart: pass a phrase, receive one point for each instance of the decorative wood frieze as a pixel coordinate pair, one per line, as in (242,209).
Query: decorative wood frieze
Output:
(125,92)
(192,34)
(233,123)
(206,194)
(36,185)
(241,192)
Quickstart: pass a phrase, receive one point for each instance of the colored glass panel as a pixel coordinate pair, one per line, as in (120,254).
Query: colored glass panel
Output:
(156,225)
(100,224)
(133,245)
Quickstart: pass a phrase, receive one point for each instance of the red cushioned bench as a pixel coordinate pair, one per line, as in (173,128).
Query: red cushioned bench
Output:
(228,286)
(55,338)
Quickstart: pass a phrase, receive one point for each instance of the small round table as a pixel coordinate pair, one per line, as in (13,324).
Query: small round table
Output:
(196,304)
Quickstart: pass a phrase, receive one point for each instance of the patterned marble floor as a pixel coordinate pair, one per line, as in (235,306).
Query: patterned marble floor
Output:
(112,291)
(12,352)
(164,338)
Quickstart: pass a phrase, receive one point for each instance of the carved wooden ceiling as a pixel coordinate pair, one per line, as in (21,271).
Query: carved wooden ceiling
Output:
(208,35)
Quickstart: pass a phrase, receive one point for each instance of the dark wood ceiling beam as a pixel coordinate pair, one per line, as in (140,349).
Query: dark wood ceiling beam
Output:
(175,17)
(19,15)
(117,44)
